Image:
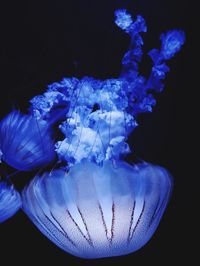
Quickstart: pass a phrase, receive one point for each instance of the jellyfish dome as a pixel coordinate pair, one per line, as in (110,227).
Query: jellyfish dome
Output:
(94,212)
(10,201)
(25,142)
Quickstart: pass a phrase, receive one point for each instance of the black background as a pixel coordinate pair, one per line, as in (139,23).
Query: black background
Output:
(42,42)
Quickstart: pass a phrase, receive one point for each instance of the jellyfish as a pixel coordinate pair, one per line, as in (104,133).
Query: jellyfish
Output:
(10,201)
(95,204)
(26,141)
(99,211)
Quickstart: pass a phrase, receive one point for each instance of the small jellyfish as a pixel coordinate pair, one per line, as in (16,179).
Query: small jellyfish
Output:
(94,212)
(10,201)
(25,142)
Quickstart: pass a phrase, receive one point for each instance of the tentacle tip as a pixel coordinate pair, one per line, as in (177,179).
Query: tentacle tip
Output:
(172,42)
(123,19)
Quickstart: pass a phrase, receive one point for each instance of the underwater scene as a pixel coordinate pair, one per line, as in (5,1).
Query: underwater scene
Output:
(87,167)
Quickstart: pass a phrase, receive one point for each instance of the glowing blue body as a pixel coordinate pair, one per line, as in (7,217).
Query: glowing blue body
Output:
(96,205)
(101,134)
(10,201)
(25,143)
(94,211)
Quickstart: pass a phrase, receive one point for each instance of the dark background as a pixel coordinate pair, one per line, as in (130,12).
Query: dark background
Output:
(43,42)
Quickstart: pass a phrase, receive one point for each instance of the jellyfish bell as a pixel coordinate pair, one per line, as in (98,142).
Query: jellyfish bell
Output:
(10,201)
(25,142)
(99,211)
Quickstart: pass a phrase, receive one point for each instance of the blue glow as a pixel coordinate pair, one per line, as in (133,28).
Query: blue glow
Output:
(95,205)
(10,201)
(123,19)
(102,134)
(25,143)
(171,43)
(94,212)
